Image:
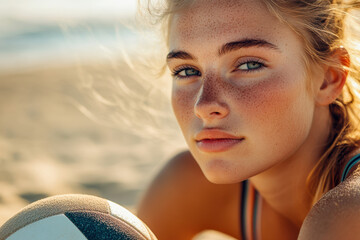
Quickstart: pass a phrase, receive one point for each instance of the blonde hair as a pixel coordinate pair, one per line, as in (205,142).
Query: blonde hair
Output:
(324,26)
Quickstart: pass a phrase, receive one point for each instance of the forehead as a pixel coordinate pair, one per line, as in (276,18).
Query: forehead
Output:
(226,20)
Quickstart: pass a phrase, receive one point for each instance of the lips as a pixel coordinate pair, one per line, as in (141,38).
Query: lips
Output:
(214,140)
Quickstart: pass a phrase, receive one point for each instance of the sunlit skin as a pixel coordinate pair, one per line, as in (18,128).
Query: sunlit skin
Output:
(248,109)
(269,106)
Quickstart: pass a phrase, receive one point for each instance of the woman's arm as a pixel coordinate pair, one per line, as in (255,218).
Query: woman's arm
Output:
(181,202)
(336,215)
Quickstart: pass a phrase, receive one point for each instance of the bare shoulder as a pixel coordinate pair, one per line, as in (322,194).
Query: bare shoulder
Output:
(337,214)
(181,202)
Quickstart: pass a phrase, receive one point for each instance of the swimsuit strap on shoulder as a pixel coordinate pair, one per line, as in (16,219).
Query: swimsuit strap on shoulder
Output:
(350,164)
(250,211)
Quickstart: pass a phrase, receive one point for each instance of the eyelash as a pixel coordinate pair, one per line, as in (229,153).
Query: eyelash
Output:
(177,71)
(256,61)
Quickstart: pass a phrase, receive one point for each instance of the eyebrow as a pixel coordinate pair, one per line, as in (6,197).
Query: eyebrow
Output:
(179,55)
(226,48)
(245,43)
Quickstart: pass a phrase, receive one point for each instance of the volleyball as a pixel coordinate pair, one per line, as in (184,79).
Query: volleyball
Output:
(75,217)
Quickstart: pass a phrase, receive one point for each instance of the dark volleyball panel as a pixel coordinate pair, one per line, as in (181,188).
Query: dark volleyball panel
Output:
(99,226)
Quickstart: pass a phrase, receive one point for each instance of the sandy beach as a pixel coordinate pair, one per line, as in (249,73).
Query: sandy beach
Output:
(60,132)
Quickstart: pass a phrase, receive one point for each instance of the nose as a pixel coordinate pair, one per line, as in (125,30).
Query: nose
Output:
(208,105)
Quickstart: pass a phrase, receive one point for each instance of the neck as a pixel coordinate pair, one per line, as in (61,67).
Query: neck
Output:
(283,186)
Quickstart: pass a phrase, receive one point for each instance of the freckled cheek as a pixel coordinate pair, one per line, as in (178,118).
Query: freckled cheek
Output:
(270,102)
(280,116)
(183,104)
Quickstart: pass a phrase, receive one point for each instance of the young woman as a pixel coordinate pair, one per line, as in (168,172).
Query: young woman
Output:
(266,95)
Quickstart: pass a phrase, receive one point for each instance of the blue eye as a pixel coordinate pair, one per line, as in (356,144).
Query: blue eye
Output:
(250,66)
(186,72)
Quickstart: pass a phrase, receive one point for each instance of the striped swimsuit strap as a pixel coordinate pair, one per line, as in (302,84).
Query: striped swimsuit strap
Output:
(250,210)
(349,165)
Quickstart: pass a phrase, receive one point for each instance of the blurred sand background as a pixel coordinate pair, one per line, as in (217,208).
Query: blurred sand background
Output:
(49,147)
(75,113)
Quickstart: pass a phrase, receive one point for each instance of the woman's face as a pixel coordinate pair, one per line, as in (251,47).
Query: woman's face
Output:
(239,87)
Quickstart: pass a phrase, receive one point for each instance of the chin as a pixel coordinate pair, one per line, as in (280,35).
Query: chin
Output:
(219,172)
(221,179)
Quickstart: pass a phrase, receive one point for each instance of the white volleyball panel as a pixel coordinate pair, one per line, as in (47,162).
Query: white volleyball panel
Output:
(127,216)
(57,227)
